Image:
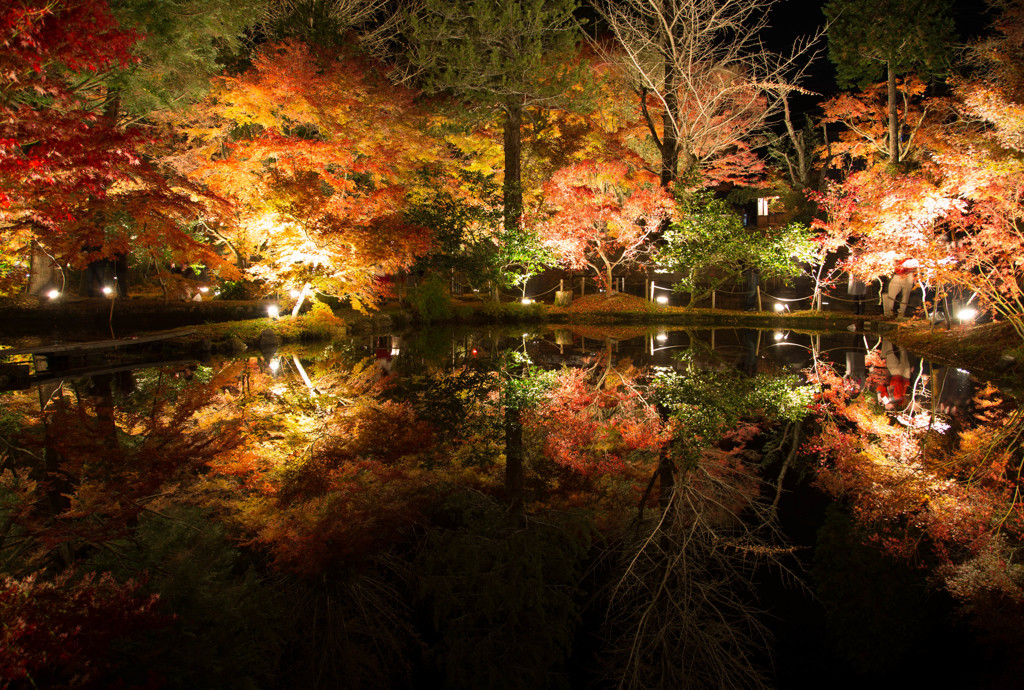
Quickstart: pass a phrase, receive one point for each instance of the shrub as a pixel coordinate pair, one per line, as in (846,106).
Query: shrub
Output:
(322,323)
(513,311)
(430,300)
(237,289)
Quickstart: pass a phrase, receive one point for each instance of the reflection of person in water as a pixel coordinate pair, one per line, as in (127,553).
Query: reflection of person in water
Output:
(952,393)
(856,371)
(892,371)
(383,359)
(750,340)
(952,389)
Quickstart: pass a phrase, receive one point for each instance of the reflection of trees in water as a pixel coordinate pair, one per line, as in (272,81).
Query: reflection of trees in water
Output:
(357,493)
(931,468)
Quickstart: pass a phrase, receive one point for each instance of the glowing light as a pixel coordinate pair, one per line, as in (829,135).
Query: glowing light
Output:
(661,337)
(662,299)
(107,290)
(53,294)
(967,314)
(473,352)
(204,289)
(275,364)
(273,312)
(778,335)
(294,293)
(526,300)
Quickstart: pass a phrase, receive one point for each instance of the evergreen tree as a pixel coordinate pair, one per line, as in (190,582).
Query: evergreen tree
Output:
(871,38)
(508,55)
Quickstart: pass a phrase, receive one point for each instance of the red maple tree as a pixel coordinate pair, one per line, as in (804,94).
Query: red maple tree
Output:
(602,215)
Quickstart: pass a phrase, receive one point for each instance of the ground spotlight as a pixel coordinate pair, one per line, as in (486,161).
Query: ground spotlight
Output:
(967,314)
(662,299)
(53,294)
(273,312)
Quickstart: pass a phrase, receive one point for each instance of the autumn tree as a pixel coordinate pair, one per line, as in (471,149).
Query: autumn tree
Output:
(958,211)
(868,39)
(705,83)
(319,182)
(73,180)
(502,56)
(864,135)
(601,216)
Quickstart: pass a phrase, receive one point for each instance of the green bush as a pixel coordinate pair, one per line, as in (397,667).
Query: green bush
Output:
(513,311)
(237,289)
(430,300)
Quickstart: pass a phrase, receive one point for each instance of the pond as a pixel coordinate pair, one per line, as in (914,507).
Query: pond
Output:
(578,506)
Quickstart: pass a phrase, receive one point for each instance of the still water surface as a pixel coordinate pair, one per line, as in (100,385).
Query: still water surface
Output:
(615,506)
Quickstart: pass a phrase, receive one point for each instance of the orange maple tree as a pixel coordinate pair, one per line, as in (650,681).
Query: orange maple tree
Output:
(602,215)
(318,155)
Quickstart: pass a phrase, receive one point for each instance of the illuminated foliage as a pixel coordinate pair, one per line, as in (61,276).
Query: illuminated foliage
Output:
(705,84)
(710,246)
(866,37)
(602,216)
(507,55)
(67,170)
(299,146)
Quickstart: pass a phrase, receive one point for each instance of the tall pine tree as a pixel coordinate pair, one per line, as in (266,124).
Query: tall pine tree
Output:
(871,38)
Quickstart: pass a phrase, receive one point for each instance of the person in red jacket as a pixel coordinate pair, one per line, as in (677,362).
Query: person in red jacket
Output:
(902,282)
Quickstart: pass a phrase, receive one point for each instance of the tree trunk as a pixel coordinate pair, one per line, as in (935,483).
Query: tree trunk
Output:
(667,474)
(670,137)
(512,188)
(514,458)
(301,298)
(894,125)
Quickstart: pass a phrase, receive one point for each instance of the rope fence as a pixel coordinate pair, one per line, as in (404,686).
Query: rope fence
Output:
(583,285)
